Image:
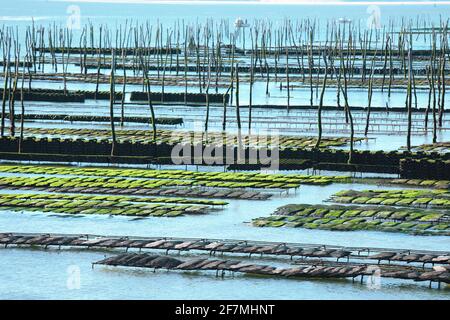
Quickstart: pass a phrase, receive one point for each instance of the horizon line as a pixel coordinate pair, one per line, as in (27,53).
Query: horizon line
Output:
(269,2)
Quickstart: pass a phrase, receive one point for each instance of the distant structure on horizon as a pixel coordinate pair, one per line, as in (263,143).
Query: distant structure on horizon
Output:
(344,20)
(240,23)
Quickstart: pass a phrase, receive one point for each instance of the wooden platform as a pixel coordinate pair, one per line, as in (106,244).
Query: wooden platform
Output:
(144,260)
(202,193)
(312,260)
(229,247)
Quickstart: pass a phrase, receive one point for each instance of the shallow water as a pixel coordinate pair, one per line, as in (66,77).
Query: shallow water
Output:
(45,275)
(37,274)
(229,223)
(20,12)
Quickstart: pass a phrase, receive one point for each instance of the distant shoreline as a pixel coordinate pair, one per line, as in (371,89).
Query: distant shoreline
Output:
(267,2)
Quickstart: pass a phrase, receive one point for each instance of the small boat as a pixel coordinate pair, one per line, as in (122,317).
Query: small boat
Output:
(344,20)
(240,23)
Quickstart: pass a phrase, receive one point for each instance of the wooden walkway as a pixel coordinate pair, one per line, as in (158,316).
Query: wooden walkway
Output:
(229,246)
(312,260)
(145,260)
(197,192)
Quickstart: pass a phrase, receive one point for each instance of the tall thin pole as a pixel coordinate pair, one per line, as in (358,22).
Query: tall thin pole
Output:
(111,105)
